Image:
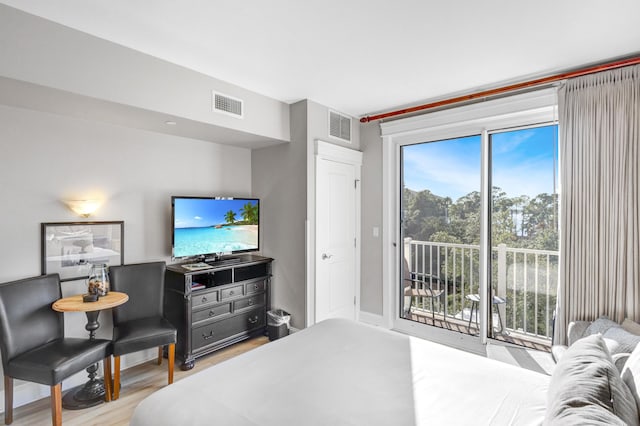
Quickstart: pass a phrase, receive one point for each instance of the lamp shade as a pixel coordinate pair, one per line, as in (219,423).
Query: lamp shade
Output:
(84,208)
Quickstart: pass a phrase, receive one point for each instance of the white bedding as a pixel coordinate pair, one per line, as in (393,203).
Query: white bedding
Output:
(340,372)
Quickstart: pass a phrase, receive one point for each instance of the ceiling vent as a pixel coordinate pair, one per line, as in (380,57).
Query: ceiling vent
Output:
(227,105)
(340,126)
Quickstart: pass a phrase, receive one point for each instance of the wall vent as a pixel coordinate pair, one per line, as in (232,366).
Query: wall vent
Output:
(227,105)
(340,126)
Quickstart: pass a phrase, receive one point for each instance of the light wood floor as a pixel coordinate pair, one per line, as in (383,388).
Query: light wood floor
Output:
(137,383)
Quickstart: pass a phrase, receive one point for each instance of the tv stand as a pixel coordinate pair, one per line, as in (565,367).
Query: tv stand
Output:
(218,306)
(212,262)
(223,261)
(195,266)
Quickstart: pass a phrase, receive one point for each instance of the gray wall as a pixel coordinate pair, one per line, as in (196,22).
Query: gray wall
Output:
(279,180)
(283,180)
(371,272)
(318,126)
(46,159)
(52,55)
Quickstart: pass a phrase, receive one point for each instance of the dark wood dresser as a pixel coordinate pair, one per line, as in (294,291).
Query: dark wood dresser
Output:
(218,306)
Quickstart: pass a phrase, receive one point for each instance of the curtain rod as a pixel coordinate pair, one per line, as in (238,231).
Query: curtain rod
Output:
(510,88)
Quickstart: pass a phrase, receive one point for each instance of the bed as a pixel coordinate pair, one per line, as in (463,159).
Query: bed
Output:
(340,372)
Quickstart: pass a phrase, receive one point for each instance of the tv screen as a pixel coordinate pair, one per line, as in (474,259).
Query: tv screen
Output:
(212,226)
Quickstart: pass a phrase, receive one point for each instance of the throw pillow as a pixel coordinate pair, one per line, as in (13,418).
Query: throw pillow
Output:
(592,415)
(600,325)
(619,340)
(631,326)
(631,374)
(586,377)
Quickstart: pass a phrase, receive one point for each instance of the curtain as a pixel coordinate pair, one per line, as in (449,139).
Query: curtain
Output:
(599,120)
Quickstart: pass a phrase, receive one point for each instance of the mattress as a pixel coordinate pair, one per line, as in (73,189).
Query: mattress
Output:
(341,372)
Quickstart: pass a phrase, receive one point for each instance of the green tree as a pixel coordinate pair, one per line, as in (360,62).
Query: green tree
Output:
(249,214)
(503,223)
(230,216)
(541,222)
(464,218)
(424,214)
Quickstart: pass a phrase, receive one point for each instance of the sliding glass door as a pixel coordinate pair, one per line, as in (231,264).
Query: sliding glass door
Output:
(524,233)
(440,226)
(441,215)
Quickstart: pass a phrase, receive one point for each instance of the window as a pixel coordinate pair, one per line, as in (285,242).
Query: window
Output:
(472,196)
(524,229)
(440,227)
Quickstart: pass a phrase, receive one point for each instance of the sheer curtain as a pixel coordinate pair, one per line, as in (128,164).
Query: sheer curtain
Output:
(600,210)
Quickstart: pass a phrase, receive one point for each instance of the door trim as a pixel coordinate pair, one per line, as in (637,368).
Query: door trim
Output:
(329,151)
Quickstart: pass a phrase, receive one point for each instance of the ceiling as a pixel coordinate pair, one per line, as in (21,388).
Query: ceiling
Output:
(360,56)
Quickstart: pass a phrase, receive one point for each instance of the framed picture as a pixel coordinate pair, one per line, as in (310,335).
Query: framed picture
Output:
(71,248)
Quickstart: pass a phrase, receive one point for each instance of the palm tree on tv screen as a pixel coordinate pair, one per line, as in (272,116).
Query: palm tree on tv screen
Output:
(230,216)
(249,213)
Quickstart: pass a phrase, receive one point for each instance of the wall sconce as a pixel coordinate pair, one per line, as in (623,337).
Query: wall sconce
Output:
(84,208)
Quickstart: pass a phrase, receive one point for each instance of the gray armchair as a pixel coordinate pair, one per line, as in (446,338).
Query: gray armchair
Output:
(140,323)
(575,331)
(619,341)
(33,344)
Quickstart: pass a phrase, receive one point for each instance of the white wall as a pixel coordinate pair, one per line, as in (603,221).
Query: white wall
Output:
(47,158)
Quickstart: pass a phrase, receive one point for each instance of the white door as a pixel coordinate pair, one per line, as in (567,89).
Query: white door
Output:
(336,211)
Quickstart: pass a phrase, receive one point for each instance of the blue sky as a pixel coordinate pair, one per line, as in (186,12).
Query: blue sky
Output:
(522,164)
(199,212)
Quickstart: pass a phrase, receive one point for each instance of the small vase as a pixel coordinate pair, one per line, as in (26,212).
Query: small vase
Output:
(98,282)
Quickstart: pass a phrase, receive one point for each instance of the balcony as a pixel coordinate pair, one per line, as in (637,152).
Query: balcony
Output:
(525,280)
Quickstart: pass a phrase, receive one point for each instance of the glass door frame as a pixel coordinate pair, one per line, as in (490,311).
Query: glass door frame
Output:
(480,119)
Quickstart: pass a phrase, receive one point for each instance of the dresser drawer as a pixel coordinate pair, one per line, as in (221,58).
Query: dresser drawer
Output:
(200,298)
(248,302)
(255,287)
(220,330)
(211,312)
(231,292)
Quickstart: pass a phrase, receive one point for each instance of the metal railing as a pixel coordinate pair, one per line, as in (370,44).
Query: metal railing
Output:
(527,279)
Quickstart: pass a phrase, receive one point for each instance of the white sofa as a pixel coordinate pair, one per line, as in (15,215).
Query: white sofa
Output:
(621,339)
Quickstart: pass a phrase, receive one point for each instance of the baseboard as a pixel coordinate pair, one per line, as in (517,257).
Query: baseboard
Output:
(373,319)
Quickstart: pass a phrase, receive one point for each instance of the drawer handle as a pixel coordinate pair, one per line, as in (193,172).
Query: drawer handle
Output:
(231,293)
(208,336)
(251,302)
(256,286)
(211,313)
(204,299)
(253,320)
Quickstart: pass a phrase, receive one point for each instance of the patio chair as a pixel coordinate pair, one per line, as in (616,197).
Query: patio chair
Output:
(419,285)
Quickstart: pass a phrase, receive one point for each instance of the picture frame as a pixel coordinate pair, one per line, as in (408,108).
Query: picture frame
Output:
(71,248)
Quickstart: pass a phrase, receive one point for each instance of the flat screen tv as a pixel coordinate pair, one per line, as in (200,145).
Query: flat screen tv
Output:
(206,228)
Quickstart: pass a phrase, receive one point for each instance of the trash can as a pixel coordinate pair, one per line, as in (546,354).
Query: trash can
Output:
(278,323)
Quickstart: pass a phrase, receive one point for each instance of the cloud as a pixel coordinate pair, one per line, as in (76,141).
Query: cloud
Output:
(531,178)
(443,172)
(197,218)
(453,169)
(510,141)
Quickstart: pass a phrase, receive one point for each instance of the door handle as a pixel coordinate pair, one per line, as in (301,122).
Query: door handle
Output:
(326,256)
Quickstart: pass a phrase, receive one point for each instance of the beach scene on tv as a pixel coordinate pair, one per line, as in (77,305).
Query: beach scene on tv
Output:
(207,225)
